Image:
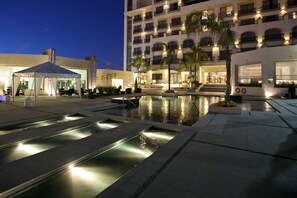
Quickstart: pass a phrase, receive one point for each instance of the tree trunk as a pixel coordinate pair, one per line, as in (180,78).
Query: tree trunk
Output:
(228,73)
(168,76)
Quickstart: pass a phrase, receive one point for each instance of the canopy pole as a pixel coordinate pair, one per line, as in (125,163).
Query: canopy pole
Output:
(35,89)
(12,94)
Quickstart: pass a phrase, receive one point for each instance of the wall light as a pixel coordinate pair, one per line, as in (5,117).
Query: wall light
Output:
(270,79)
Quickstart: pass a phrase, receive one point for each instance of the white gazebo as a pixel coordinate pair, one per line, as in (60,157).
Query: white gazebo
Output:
(45,70)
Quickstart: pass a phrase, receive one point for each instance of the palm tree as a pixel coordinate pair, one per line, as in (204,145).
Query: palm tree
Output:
(192,58)
(201,22)
(139,62)
(168,58)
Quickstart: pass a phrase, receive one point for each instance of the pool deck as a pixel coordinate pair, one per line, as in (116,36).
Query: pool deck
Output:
(249,155)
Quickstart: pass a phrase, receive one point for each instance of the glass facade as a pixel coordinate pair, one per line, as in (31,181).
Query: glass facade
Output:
(250,75)
(285,73)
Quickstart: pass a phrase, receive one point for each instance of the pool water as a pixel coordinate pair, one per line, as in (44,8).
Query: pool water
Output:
(181,110)
(92,176)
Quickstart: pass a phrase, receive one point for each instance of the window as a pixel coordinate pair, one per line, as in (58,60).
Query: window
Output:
(246,9)
(188,43)
(175,78)
(205,41)
(159,10)
(175,21)
(248,37)
(147,50)
(162,24)
(250,75)
(157,78)
(173,6)
(149,26)
(226,11)
(148,15)
(285,73)
(273,34)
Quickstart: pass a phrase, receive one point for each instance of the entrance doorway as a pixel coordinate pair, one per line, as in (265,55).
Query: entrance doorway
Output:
(215,77)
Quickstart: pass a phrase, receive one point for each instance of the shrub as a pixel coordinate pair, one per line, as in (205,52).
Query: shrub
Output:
(226,104)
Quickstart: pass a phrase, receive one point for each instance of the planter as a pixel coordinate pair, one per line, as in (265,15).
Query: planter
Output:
(213,108)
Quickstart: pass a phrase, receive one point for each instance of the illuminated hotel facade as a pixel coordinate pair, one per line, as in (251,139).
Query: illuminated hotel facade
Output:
(264,60)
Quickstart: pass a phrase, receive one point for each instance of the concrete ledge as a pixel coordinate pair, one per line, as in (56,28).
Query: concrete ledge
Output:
(169,94)
(226,110)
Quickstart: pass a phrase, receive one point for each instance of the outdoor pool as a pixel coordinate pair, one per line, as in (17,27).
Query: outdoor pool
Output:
(181,110)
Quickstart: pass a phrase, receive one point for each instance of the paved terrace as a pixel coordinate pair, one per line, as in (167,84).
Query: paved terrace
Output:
(249,155)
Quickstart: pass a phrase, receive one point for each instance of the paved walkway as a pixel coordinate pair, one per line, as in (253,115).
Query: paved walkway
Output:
(249,155)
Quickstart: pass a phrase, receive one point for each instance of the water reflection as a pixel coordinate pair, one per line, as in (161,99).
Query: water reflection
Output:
(182,110)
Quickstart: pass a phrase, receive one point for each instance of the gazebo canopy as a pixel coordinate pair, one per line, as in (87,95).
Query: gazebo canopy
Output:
(45,70)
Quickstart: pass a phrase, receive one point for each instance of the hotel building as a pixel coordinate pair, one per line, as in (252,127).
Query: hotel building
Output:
(264,59)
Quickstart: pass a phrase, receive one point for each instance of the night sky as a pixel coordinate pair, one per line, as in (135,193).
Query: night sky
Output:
(75,28)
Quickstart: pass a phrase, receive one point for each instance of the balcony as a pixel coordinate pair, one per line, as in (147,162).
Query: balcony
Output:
(191,2)
(156,62)
(137,53)
(174,24)
(149,28)
(270,7)
(159,48)
(147,40)
(137,30)
(135,20)
(161,34)
(147,52)
(225,14)
(174,8)
(205,44)
(148,17)
(291,3)
(137,41)
(159,1)
(158,12)
(251,39)
(271,18)
(162,26)
(294,35)
(274,37)
(246,22)
(246,11)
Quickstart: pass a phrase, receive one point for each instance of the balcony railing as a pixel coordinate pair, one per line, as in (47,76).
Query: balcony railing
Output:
(157,12)
(162,26)
(156,62)
(137,30)
(149,28)
(205,43)
(247,22)
(270,7)
(159,48)
(251,39)
(137,20)
(291,3)
(246,11)
(274,37)
(294,35)
(137,41)
(225,14)
(272,18)
(137,53)
(175,24)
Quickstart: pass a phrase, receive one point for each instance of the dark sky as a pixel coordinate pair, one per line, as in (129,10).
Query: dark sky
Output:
(75,28)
